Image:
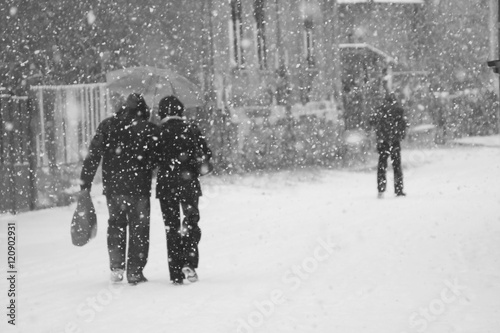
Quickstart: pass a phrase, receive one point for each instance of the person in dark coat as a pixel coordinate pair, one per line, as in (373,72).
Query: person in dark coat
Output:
(390,126)
(126,143)
(181,148)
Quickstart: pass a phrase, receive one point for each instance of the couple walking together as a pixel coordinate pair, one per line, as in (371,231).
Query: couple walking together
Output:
(131,147)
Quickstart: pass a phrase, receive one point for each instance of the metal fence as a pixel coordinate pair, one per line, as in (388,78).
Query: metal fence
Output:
(66,119)
(42,138)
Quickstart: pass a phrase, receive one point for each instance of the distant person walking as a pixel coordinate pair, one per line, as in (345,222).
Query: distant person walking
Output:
(126,143)
(181,148)
(390,125)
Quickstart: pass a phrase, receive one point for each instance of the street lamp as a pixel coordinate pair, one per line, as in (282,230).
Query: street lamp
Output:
(495,64)
(208,61)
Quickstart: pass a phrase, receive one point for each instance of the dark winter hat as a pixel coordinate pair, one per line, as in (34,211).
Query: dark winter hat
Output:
(136,102)
(170,106)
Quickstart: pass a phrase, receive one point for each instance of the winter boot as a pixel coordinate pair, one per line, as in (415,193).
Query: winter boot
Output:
(190,274)
(177,282)
(117,275)
(135,279)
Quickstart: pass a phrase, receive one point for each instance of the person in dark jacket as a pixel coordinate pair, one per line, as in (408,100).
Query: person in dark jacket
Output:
(181,148)
(390,126)
(126,143)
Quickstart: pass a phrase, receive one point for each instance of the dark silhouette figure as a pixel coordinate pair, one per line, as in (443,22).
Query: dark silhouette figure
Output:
(390,125)
(181,147)
(126,143)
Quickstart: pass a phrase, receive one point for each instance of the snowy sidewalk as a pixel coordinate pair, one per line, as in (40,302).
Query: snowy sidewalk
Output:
(293,251)
(487,141)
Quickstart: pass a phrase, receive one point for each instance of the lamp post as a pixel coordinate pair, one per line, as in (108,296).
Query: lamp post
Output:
(283,88)
(279,44)
(337,71)
(333,67)
(498,50)
(495,49)
(208,55)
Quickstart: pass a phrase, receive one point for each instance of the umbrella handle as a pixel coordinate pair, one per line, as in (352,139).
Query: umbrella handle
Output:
(173,89)
(154,97)
(156,89)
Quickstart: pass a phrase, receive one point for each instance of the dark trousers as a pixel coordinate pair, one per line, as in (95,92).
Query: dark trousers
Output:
(182,238)
(386,149)
(134,212)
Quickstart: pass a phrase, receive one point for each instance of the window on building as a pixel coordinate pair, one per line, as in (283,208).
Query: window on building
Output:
(236,33)
(260,32)
(309,42)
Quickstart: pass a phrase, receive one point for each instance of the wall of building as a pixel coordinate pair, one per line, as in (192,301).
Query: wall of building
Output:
(253,85)
(389,27)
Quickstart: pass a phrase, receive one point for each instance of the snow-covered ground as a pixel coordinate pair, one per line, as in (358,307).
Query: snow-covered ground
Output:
(489,141)
(294,251)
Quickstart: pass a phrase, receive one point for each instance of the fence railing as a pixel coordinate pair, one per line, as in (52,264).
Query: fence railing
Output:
(66,119)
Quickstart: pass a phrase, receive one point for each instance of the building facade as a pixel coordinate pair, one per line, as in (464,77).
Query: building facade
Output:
(271,52)
(281,55)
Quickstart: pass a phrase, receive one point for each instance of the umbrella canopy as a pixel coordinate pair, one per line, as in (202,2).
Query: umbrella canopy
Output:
(154,83)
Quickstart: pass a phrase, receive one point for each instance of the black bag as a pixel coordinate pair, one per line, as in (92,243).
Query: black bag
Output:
(84,222)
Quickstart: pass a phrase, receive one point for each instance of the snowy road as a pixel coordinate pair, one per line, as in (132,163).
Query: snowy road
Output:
(301,251)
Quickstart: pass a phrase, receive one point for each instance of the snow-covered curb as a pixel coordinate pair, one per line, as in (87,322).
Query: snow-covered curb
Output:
(488,141)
